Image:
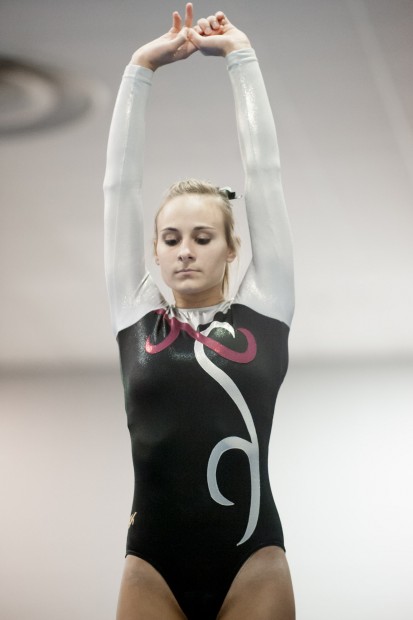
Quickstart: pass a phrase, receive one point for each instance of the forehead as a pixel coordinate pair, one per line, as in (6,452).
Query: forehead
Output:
(190,210)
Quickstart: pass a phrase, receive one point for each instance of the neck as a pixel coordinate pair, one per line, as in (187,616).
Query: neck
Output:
(198,300)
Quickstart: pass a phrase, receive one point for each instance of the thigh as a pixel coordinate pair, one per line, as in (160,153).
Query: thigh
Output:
(262,589)
(144,594)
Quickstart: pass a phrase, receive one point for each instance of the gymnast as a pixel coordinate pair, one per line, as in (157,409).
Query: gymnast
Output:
(201,375)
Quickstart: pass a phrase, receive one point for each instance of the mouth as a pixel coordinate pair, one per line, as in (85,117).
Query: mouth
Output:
(187,271)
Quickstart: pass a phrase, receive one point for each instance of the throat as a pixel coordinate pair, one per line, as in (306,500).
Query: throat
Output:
(199,299)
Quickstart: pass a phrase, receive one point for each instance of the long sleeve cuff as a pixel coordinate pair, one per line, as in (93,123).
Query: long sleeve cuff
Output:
(132,71)
(238,57)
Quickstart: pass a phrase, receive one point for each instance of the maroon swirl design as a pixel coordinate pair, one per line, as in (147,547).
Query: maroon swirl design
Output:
(176,327)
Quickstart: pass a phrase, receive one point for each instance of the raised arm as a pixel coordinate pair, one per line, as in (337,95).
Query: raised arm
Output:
(268,286)
(132,292)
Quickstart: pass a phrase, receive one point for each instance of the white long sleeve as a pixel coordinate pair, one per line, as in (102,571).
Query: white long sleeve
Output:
(132,292)
(268,285)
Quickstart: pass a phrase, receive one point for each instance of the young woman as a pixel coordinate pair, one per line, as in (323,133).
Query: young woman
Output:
(201,376)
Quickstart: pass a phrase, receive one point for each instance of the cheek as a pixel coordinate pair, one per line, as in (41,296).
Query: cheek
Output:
(165,271)
(217,263)
(159,258)
(163,262)
(161,254)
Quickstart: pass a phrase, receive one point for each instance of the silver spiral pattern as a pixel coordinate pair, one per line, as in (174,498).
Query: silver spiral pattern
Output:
(250,448)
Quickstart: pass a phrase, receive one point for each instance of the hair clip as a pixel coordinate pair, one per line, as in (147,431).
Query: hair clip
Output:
(230,194)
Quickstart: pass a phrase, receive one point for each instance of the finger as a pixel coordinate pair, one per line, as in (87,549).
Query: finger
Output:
(176,22)
(221,18)
(203,23)
(202,42)
(180,39)
(189,15)
(212,22)
(195,36)
(183,35)
(171,45)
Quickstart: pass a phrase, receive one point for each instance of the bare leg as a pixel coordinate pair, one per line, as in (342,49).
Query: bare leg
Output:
(262,590)
(144,594)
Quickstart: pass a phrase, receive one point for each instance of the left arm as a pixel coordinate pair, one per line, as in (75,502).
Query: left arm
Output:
(268,285)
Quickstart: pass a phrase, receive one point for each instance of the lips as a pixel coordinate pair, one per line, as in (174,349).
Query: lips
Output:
(188,271)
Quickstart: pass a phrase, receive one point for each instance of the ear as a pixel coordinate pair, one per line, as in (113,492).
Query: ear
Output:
(231,256)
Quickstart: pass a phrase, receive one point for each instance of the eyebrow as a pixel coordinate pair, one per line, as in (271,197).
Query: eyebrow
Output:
(172,229)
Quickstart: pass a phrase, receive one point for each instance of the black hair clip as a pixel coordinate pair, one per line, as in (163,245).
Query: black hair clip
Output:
(229,193)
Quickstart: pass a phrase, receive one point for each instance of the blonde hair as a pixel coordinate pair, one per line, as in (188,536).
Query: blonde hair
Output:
(204,188)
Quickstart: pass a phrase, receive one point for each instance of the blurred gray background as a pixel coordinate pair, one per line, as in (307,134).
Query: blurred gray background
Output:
(339,76)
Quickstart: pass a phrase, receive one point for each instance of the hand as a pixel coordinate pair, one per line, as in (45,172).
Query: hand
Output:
(170,47)
(216,36)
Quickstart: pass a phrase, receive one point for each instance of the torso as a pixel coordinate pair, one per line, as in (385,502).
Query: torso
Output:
(200,409)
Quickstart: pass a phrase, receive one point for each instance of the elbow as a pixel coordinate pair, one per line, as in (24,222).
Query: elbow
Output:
(112,182)
(118,186)
(109,186)
(268,167)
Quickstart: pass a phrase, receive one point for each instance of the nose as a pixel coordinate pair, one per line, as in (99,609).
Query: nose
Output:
(186,252)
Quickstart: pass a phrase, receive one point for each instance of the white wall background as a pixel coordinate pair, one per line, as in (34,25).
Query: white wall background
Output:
(341,465)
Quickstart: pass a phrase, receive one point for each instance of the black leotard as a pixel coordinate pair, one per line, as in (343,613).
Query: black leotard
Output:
(200,384)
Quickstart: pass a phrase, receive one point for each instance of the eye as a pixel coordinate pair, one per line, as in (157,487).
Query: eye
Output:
(170,241)
(203,240)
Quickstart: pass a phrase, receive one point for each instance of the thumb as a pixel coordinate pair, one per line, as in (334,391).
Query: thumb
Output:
(180,39)
(196,38)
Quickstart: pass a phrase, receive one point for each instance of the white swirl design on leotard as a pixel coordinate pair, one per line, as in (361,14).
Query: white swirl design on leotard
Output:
(250,448)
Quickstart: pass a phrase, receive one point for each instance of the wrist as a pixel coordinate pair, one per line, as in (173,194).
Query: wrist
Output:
(235,46)
(141,60)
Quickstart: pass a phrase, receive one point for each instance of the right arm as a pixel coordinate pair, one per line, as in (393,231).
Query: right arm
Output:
(132,292)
